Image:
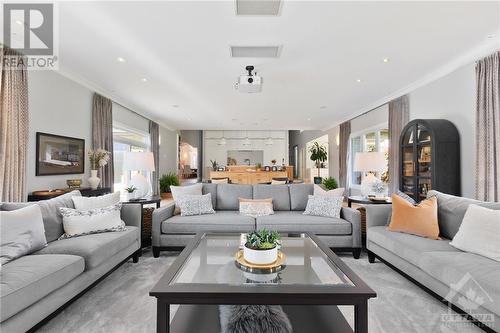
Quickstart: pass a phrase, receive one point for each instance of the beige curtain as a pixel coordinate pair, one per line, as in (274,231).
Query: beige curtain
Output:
(488,128)
(102,135)
(399,115)
(154,134)
(344,133)
(14,128)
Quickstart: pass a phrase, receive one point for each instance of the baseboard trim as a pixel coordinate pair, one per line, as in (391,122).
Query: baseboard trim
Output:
(438,297)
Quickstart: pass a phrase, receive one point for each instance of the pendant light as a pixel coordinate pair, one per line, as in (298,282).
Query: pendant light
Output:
(222,141)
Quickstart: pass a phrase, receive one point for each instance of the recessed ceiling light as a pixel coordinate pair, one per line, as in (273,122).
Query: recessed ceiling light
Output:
(120,59)
(358,80)
(385,60)
(189,119)
(308,119)
(19,22)
(234,119)
(144,79)
(175,105)
(322,107)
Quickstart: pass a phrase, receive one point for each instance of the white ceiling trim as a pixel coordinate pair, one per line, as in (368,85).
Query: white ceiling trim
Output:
(466,58)
(104,92)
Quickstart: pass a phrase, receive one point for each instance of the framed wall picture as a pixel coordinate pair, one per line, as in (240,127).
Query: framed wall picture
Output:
(59,155)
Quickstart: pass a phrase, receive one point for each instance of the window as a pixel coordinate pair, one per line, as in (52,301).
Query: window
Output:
(127,140)
(370,141)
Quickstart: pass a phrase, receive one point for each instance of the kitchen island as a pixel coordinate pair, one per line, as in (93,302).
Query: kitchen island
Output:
(250,175)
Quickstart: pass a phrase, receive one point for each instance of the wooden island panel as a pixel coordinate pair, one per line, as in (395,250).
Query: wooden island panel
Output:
(249,177)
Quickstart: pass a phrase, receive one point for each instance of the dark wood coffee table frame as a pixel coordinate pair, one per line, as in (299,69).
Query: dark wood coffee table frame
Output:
(167,294)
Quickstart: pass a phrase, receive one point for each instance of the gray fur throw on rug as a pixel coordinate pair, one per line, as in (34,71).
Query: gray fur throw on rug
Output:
(253,319)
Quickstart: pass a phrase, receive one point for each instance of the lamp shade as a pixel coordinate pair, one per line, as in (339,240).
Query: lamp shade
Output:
(372,161)
(139,161)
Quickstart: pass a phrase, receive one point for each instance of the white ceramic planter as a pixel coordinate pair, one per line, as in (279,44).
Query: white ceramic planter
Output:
(260,257)
(94,180)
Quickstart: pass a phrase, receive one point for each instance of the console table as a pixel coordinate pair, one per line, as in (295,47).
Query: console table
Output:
(85,192)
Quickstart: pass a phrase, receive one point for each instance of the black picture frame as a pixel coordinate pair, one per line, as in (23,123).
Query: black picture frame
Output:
(71,151)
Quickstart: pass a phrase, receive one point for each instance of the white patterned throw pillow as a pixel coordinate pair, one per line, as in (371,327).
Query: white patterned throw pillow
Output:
(190,204)
(324,205)
(256,207)
(91,221)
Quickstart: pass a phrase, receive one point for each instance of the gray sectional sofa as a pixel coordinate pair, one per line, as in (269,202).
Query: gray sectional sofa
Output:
(289,201)
(441,268)
(35,286)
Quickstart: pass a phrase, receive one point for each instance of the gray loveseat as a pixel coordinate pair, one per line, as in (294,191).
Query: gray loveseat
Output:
(34,286)
(289,201)
(441,268)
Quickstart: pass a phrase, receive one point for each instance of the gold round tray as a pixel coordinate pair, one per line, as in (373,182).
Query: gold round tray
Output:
(278,263)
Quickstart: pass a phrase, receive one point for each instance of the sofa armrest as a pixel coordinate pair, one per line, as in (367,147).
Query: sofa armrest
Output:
(353,216)
(131,214)
(377,215)
(160,215)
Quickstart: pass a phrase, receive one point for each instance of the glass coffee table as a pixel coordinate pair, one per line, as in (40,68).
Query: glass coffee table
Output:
(310,285)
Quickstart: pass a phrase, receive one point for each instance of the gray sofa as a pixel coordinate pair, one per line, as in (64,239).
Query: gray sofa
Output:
(172,231)
(35,286)
(435,264)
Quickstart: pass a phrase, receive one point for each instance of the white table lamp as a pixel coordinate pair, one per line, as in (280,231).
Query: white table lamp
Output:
(139,161)
(370,163)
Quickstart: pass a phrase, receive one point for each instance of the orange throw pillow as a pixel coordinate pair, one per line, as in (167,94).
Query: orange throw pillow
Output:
(420,220)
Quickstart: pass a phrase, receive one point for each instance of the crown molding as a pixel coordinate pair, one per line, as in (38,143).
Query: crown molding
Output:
(108,94)
(462,60)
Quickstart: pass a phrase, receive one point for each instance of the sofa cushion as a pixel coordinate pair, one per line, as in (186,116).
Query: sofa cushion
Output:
(28,279)
(228,195)
(221,221)
(95,248)
(451,211)
(279,193)
(465,272)
(212,189)
(293,221)
(299,194)
(408,247)
(52,218)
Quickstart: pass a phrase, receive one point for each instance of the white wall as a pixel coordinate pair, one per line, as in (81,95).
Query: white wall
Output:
(453,97)
(213,151)
(59,106)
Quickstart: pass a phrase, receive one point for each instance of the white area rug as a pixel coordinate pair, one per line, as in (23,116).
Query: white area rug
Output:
(121,302)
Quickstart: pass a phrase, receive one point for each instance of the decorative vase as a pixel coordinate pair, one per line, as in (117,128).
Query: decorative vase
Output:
(260,257)
(94,180)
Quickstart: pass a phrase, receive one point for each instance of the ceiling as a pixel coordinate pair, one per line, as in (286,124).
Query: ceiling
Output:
(178,69)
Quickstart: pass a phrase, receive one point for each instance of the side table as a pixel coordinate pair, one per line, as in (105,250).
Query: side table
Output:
(146,217)
(364,201)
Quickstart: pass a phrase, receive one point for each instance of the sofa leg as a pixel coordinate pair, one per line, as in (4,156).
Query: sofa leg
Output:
(135,256)
(156,251)
(371,256)
(356,252)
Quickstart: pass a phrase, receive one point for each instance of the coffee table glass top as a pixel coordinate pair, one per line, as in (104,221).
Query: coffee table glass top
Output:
(212,261)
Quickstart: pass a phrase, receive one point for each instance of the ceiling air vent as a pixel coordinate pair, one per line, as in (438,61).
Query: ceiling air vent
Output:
(255,51)
(258,7)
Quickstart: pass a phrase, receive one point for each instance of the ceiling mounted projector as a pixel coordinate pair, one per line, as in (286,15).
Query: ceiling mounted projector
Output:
(251,83)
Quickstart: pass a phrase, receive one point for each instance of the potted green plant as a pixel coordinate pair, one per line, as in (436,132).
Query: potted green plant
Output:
(261,247)
(330,183)
(258,166)
(130,192)
(170,179)
(318,156)
(214,165)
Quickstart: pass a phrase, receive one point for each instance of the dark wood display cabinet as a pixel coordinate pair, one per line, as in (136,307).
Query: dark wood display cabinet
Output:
(429,158)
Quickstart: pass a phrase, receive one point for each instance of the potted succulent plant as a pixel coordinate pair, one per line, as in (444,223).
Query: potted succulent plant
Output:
(170,179)
(261,247)
(130,192)
(318,156)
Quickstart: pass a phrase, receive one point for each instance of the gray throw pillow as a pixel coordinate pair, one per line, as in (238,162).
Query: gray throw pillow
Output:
(324,205)
(191,204)
(254,319)
(22,233)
